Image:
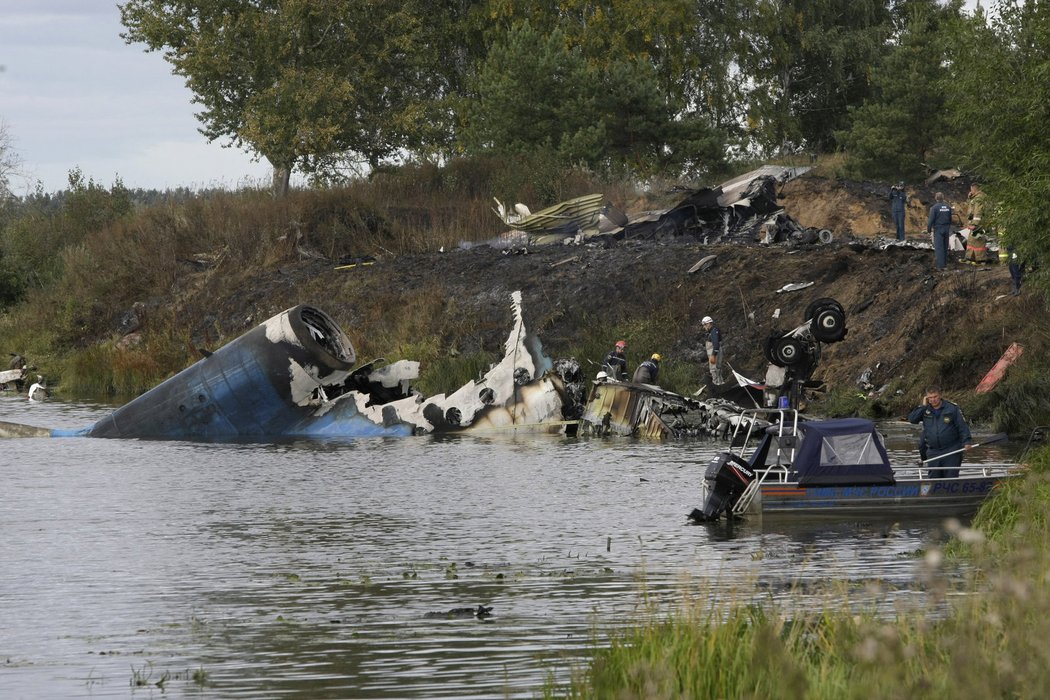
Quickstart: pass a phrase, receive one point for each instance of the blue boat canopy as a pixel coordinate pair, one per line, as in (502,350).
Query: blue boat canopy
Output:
(843,451)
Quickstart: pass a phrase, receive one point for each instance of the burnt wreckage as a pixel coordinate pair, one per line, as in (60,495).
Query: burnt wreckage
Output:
(742,210)
(793,355)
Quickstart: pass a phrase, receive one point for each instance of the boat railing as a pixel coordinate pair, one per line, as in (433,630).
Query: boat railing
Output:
(787,422)
(965,470)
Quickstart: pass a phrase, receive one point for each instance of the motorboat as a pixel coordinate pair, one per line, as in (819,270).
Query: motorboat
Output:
(833,468)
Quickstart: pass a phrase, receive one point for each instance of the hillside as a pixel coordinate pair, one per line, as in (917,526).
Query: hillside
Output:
(908,324)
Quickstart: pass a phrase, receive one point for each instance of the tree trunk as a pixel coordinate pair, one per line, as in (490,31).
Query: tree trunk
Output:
(281,177)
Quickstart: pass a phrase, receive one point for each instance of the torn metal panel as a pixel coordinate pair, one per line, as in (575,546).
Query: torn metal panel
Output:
(567,218)
(996,373)
(294,376)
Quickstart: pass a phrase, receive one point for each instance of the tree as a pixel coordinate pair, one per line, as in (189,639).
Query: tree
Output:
(299,82)
(895,132)
(535,93)
(10,162)
(999,105)
(808,62)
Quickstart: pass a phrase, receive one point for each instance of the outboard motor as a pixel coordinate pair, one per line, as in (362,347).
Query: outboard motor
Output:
(727,476)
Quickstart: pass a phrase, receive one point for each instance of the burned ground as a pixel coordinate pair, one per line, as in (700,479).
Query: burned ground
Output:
(907,323)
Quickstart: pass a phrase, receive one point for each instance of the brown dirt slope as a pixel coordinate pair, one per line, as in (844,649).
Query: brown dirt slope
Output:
(909,324)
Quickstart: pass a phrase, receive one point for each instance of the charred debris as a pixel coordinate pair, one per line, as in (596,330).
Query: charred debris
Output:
(743,210)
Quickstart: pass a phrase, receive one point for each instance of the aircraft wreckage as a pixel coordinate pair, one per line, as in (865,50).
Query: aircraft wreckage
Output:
(295,376)
(741,210)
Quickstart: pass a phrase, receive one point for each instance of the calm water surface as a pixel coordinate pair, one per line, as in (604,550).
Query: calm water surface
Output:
(307,568)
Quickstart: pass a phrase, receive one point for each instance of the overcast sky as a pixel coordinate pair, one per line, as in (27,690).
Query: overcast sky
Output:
(73,94)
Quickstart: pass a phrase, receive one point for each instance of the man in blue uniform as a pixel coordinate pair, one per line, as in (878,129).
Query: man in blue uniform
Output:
(940,225)
(944,430)
(898,203)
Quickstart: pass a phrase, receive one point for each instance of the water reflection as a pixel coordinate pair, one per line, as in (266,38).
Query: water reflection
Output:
(308,567)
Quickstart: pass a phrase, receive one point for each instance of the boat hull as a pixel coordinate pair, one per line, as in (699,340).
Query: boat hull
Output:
(960,497)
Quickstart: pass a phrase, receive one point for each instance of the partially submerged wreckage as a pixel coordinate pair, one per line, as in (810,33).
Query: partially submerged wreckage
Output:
(742,210)
(296,375)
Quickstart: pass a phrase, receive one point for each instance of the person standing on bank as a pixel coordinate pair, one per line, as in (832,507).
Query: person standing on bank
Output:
(648,370)
(713,346)
(940,225)
(615,364)
(898,205)
(944,430)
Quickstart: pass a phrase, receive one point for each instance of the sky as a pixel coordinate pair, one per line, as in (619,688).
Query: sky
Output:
(74,95)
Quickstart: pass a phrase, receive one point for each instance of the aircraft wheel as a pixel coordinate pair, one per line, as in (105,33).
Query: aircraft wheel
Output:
(789,352)
(823,303)
(828,325)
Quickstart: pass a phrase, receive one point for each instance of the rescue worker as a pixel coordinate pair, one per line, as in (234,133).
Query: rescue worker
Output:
(713,346)
(648,370)
(974,206)
(940,225)
(976,243)
(944,431)
(615,364)
(898,204)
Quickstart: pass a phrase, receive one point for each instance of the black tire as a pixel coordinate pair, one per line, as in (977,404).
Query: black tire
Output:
(824,303)
(828,326)
(770,354)
(789,352)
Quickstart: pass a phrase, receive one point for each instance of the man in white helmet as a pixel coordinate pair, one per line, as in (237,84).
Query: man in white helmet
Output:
(713,344)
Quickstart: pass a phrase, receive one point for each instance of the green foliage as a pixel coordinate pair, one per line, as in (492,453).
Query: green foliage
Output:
(895,132)
(1018,404)
(988,644)
(34,242)
(808,63)
(999,103)
(536,95)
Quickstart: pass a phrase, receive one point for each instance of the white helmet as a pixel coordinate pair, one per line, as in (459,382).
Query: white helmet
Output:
(601,376)
(707,319)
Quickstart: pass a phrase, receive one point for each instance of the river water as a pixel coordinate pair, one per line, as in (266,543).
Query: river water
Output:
(308,569)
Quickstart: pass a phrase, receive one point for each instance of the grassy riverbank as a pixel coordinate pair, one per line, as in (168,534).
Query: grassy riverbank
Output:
(990,644)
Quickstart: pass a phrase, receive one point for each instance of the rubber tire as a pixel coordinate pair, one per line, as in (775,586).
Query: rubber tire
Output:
(789,352)
(828,326)
(825,302)
(769,349)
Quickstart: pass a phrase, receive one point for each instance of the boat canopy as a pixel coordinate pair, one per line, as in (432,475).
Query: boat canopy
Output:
(843,451)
